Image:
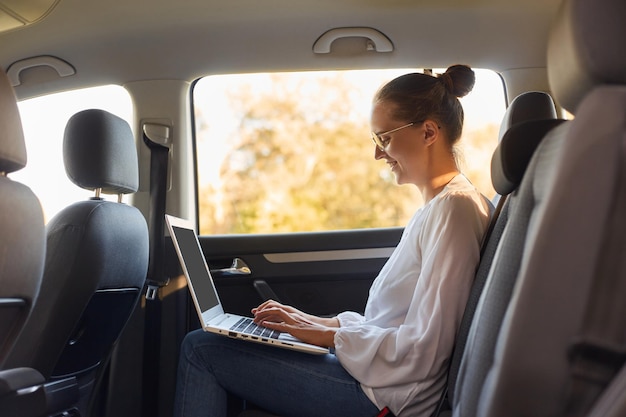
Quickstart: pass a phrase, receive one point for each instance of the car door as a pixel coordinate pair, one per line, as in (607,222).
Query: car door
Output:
(322,273)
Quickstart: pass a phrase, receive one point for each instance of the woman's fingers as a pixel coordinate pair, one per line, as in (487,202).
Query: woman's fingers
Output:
(275,314)
(265,305)
(271,305)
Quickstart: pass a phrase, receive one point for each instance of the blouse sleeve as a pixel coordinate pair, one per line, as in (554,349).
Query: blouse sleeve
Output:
(418,349)
(350,318)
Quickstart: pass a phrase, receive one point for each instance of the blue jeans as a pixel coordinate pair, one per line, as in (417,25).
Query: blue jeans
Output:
(284,382)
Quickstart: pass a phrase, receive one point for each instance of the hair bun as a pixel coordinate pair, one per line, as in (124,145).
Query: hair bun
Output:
(458,80)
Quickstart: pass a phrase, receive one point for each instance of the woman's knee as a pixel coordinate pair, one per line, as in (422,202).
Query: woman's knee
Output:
(198,341)
(192,338)
(192,341)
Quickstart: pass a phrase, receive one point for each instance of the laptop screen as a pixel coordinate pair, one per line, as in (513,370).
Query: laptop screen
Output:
(198,273)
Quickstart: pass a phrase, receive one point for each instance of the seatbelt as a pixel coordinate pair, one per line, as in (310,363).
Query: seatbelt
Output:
(491,225)
(159,157)
(600,350)
(385,412)
(444,402)
(154,136)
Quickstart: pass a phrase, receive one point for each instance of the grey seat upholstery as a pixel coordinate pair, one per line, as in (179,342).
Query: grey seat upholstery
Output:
(495,277)
(526,121)
(528,106)
(22,251)
(96,260)
(516,359)
(21,217)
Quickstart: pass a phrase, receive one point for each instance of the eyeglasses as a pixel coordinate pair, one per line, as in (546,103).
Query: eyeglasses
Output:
(382,143)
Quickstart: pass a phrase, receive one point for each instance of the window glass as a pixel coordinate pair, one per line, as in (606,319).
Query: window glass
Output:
(44,119)
(287,152)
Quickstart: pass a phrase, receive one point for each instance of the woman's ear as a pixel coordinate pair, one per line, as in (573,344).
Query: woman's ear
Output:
(431,132)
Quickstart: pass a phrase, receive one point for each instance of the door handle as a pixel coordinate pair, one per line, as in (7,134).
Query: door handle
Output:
(238,267)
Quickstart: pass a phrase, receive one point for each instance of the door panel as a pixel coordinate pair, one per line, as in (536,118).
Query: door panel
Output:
(322,273)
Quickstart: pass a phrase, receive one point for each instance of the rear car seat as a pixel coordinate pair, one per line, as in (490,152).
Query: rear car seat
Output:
(526,121)
(521,355)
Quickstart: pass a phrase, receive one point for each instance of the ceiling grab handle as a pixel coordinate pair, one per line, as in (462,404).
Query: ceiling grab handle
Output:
(61,67)
(377,41)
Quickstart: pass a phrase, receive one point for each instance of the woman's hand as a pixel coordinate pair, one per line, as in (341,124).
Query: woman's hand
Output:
(261,311)
(288,320)
(311,329)
(275,304)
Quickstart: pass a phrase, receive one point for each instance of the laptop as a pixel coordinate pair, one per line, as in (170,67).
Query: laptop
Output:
(207,302)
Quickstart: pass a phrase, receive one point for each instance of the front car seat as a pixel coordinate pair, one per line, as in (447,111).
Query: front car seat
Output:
(22,251)
(96,261)
(22,246)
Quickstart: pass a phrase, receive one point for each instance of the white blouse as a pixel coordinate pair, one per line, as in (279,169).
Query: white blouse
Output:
(400,348)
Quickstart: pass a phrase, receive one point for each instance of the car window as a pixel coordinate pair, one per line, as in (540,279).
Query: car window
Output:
(290,152)
(44,119)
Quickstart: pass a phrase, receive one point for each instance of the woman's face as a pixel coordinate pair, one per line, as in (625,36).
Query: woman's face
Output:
(405,150)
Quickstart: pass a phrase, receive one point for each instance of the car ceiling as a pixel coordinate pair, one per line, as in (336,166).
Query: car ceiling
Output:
(121,41)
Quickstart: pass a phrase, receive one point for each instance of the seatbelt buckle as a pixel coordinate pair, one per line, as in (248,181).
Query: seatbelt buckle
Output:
(152,288)
(385,412)
(151,291)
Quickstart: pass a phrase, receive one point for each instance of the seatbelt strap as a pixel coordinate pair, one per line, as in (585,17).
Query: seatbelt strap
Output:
(159,157)
(444,402)
(492,224)
(600,350)
(385,412)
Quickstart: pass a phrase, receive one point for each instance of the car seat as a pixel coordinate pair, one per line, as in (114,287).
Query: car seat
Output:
(529,352)
(22,247)
(526,121)
(22,251)
(96,260)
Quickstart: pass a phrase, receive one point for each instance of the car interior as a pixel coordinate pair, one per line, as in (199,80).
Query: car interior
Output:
(251,120)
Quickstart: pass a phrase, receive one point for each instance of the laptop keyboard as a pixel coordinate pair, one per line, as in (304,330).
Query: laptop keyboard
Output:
(246,325)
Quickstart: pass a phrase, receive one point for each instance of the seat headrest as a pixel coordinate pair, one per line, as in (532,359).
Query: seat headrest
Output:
(511,157)
(532,105)
(585,49)
(99,152)
(12,146)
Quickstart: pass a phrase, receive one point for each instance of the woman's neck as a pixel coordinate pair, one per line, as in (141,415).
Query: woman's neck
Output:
(441,168)
(437,183)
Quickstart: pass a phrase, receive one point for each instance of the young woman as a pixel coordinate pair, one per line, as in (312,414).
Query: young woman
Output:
(396,353)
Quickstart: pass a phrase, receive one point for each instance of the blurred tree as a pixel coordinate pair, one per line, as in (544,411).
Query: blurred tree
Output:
(476,148)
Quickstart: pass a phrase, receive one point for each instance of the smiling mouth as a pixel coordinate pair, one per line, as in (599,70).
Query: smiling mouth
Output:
(392,165)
